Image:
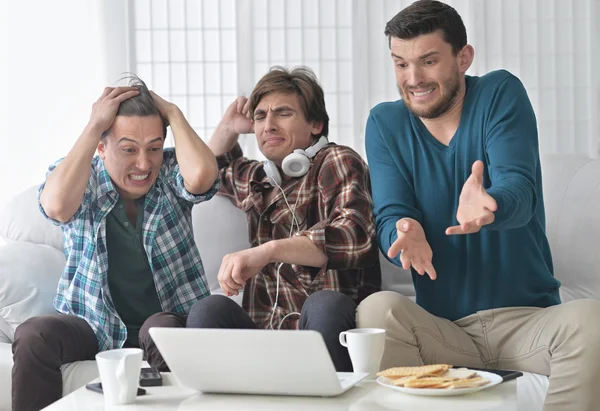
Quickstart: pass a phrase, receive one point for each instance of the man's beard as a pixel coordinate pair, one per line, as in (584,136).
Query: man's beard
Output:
(438,108)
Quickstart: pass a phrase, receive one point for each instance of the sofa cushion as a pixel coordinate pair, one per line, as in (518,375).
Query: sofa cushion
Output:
(219,229)
(21,220)
(29,275)
(572,198)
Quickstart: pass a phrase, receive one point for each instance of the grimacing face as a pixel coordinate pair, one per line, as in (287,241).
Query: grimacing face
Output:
(428,74)
(133,153)
(281,127)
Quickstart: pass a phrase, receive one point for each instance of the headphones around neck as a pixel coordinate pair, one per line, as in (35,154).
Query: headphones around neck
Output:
(295,164)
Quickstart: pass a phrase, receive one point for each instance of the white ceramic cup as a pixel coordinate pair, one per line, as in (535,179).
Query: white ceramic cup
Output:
(365,346)
(120,373)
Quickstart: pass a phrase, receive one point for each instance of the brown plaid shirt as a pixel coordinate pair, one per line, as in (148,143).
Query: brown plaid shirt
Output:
(334,209)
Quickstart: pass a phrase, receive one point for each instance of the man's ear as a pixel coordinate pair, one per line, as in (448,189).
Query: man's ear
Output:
(465,58)
(316,128)
(102,148)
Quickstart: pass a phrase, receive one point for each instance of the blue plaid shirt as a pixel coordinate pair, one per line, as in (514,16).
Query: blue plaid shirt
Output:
(168,241)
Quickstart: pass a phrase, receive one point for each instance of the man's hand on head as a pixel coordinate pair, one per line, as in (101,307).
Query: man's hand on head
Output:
(413,245)
(105,108)
(235,121)
(165,107)
(239,267)
(475,206)
(237,117)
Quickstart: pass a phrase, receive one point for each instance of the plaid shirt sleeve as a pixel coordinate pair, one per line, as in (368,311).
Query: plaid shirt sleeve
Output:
(348,233)
(236,172)
(88,195)
(175,180)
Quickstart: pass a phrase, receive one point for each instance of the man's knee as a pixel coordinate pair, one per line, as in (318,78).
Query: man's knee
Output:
(373,311)
(583,315)
(209,311)
(32,333)
(328,301)
(162,319)
(328,309)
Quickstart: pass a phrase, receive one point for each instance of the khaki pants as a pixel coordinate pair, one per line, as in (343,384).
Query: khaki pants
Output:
(562,342)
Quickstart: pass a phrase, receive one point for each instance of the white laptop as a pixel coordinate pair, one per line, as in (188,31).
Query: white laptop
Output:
(284,362)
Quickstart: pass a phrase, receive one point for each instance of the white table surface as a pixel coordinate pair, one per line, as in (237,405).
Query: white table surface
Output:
(366,396)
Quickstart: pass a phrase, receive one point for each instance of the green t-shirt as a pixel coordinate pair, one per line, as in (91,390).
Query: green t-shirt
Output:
(129,275)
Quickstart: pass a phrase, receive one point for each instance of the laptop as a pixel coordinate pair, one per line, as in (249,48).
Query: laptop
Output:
(283,362)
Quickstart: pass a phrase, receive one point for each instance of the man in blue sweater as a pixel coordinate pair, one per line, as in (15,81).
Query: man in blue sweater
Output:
(457,189)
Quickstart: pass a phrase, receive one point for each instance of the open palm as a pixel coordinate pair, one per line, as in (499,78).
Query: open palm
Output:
(475,206)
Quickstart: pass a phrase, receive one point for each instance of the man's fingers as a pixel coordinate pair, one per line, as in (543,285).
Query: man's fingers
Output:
(486,219)
(107,91)
(397,246)
(454,230)
(221,276)
(240,104)
(236,276)
(477,169)
(246,109)
(122,97)
(120,90)
(418,266)
(405,261)
(228,280)
(403,225)
(489,202)
(228,291)
(430,270)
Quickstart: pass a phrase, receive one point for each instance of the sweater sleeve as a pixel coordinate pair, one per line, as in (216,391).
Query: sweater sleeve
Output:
(393,192)
(512,155)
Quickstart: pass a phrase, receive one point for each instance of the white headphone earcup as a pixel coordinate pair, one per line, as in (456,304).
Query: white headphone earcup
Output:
(272,173)
(295,165)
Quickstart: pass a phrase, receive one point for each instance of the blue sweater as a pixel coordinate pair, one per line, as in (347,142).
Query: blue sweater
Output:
(506,264)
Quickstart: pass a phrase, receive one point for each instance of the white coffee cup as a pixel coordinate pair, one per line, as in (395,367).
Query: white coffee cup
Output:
(365,346)
(120,373)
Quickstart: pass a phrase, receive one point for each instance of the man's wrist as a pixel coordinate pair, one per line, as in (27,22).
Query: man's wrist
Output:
(174,113)
(94,131)
(270,249)
(228,133)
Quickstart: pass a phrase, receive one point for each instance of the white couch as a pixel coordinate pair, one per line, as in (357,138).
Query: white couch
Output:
(31,259)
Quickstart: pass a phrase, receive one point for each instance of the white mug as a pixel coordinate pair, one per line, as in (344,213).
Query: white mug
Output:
(365,346)
(120,373)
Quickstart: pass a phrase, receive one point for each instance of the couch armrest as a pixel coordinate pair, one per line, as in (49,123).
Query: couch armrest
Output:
(29,275)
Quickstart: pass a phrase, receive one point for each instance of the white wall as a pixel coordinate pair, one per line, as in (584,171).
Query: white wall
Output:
(53,66)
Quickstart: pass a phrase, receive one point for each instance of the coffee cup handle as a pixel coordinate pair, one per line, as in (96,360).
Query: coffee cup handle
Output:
(343,339)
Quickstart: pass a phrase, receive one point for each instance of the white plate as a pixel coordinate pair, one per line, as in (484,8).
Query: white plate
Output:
(494,379)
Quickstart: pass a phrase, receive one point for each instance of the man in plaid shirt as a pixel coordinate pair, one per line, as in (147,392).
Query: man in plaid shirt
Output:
(314,255)
(131,258)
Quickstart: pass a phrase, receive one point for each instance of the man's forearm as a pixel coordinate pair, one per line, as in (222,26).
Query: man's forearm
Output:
(65,186)
(298,250)
(197,163)
(222,140)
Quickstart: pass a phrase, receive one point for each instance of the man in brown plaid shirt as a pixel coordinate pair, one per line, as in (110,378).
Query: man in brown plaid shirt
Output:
(316,232)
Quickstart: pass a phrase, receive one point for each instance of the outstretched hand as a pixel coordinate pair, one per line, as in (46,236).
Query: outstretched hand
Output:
(475,206)
(416,251)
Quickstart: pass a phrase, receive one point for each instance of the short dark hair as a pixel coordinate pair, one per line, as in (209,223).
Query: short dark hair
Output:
(299,80)
(427,16)
(142,105)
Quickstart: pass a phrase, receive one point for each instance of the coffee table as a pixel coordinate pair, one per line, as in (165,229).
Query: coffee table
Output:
(366,396)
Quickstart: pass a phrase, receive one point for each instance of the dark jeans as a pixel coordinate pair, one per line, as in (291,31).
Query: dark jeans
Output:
(43,344)
(327,312)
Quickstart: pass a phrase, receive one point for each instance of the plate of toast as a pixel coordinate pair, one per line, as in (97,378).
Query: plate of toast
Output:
(437,380)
